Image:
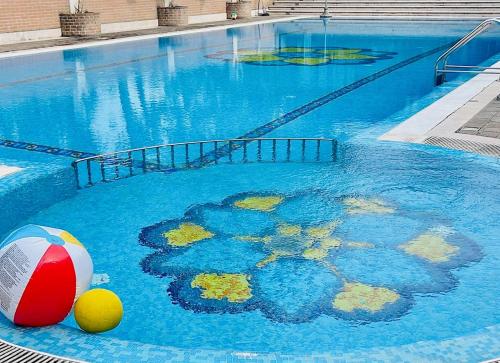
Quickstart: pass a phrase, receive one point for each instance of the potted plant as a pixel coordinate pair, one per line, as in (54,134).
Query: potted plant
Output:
(240,9)
(80,22)
(172,15)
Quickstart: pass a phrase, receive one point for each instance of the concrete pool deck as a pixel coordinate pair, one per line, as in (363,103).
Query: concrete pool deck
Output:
(486,122)
(22,48)
(467,118)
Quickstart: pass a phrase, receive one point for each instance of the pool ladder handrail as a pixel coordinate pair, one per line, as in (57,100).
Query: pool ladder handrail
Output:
(220,148)
(440,73)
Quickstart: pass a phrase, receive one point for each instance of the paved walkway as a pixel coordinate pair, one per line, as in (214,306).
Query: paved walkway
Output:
(486,122)
(467,118)
(158,30)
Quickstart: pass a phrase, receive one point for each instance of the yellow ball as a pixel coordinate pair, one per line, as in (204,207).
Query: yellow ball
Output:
(98,310)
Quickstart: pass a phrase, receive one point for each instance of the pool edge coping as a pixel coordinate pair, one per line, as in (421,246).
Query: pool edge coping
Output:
(446,115)
(96,43)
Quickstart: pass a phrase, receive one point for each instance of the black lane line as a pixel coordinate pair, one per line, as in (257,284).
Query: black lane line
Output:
(313,105)
(255,133)
(130,61)
(45,149)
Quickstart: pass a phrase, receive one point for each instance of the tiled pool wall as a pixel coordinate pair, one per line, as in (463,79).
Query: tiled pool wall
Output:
(35,187)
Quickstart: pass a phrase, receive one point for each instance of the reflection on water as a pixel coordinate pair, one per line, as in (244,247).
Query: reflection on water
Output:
(141,93)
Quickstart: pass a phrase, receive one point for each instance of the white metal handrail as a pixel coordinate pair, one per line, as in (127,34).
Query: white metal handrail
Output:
(197,154)
(440,73)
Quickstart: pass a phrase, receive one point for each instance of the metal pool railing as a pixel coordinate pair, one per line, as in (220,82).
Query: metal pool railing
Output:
(441,67)
(197,154)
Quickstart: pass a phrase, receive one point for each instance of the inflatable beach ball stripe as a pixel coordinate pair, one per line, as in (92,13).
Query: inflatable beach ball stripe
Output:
(42,272)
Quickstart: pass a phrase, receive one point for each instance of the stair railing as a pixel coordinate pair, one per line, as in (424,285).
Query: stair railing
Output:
(440,73)
(197,154)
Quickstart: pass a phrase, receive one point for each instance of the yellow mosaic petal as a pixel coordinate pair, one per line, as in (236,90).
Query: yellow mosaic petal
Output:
(283,253)
(322,231)
(271,258)
(364,297)
(289,230)
(318,232)
(258,57)
(308,242)
(294,50)
(306,61)
(366,206)
(315,253)
(264,204)
(360,245)
(431,247)
(251,52)
(233,287)
(330,242)
(340,51)
(186,234)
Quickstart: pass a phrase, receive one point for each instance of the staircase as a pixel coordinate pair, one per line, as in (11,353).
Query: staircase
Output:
(444,9)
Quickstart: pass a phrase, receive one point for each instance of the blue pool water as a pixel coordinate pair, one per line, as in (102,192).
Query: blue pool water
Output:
(336,261)
(157,91)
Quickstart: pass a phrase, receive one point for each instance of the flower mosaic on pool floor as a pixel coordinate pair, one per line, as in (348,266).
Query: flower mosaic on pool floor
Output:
(300,56)
(296,257)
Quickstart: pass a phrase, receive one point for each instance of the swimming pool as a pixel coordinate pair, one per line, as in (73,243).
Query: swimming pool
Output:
(292,259)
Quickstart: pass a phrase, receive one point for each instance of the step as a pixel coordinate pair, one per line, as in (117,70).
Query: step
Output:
(492,11)
(380,4)
(489,10)
(390,16)
(369,12)
(392,2)
(433,2)
(394,8)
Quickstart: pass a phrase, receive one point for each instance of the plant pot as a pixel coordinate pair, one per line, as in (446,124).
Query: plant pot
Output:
(80,24)
(243,9)
(172,15)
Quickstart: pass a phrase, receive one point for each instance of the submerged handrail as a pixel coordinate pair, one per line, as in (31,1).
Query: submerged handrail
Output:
(440,74)
(197,154)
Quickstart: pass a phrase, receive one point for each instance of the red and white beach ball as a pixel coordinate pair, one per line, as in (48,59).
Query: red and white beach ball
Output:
(43,271)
